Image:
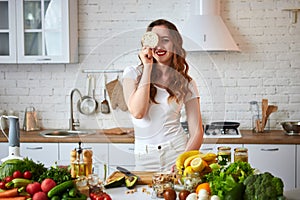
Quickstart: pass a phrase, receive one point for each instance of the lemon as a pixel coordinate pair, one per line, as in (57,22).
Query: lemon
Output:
(188,170)
(197,164)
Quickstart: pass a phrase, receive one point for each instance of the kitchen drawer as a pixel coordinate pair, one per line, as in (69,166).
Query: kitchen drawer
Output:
(4,150)
(121,154)
(276,159)
(46,153)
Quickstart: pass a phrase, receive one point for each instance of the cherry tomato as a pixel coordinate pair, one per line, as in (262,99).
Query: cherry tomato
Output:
(17,174)
(8,179)
(27,175)
(2,185)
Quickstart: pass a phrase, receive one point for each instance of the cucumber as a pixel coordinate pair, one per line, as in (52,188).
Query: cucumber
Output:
(61,188)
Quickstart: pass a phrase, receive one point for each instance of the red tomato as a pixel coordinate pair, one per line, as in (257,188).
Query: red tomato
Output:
(2,185)
(17,174)
(106,197)
(8,179)
(27,175)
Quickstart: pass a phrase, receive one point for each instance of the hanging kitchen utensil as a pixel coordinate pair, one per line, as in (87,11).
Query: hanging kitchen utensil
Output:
(88,104)
(104,104)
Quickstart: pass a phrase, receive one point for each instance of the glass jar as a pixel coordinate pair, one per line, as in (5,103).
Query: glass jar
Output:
(162,181)
(241,154)
(224,155)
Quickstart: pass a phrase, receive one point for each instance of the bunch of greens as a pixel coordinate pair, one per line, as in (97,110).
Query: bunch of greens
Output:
(224,179)
(58,174)
(8,167)
(263,186)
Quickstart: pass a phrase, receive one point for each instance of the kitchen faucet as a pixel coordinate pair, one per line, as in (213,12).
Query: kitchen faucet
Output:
(73,124)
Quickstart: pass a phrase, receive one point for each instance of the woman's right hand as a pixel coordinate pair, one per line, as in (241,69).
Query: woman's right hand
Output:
(146,56)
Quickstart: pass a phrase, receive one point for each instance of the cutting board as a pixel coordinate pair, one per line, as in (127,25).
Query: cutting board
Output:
(145,178)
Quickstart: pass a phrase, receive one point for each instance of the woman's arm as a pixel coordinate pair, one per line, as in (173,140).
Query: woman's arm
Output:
(195,124)
(137,94)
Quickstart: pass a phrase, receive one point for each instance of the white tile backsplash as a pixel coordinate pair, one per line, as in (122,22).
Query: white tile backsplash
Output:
(109,33)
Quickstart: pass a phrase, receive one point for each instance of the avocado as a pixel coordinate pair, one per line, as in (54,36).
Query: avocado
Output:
(130,181)
(115,183)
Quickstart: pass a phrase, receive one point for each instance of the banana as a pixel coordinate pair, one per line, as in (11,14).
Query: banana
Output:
(181,158)
(188,161)
(18,182)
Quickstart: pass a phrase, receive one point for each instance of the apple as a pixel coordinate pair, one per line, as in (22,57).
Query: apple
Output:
(33,188)
(40,196)
(47,184)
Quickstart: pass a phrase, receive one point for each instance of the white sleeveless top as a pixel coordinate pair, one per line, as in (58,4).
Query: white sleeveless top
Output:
(162,122)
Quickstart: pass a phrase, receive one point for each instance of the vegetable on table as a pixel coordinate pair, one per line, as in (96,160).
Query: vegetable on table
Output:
(59,189)
(13,198)
(224,179)
(9,193)
(8,167)
(264,186)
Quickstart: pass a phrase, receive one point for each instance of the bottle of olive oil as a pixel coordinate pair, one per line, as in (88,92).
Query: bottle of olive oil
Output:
(78,167)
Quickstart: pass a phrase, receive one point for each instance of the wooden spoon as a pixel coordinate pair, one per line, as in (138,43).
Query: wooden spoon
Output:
(270,109)
(264,112)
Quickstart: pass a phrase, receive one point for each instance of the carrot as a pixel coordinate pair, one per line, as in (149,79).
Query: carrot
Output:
(13,198)
(9,193)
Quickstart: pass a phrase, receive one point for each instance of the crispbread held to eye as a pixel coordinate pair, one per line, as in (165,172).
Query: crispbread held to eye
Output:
(150,39)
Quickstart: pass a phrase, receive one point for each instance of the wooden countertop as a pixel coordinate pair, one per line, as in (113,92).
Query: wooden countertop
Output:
(272,137)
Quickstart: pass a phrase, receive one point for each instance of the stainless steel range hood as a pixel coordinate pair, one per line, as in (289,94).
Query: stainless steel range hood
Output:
(205,29)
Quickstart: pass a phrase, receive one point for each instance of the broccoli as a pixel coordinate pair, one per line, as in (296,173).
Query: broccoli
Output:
(263,186)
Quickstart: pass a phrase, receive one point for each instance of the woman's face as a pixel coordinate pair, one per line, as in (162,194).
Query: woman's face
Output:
(164,51)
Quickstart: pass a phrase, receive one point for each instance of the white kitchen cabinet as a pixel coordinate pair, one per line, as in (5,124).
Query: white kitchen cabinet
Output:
(4,150)
(100,155)
(8,31)
(121,154)
(46,153)
(276,159)
(38,31)
(298,166)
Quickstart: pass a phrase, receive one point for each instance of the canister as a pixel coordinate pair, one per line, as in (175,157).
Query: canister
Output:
(241,154)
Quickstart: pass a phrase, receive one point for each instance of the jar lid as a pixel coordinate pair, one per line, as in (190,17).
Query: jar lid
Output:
(224,148)
(240,149)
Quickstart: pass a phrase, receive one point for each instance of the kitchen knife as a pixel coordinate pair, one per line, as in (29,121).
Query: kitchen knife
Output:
(126,171)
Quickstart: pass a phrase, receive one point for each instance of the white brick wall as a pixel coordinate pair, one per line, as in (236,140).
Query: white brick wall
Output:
(109,33)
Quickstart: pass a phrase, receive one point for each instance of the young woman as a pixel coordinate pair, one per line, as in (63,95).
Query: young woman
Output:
(155,93)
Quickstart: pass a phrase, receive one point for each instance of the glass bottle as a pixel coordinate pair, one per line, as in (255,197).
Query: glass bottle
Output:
(254,108)
(241,154)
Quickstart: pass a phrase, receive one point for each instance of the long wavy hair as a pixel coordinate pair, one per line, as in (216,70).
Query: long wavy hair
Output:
(178,86)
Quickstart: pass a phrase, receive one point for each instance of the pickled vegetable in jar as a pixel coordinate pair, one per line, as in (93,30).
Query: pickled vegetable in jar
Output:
(241,154)
(224,155)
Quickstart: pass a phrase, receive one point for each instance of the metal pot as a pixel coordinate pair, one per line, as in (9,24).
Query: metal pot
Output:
(291,126)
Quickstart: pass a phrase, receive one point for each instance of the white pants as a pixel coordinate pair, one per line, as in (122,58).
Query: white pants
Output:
(160,157)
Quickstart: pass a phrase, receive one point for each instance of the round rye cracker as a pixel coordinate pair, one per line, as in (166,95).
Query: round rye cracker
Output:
(150,39)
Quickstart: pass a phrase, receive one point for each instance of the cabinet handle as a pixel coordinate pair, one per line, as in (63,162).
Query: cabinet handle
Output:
(41,59)
(274,149)
(207,149)
(34,148)
(131,149)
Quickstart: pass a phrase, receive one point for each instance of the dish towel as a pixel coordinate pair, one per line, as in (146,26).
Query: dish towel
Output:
(115,93)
